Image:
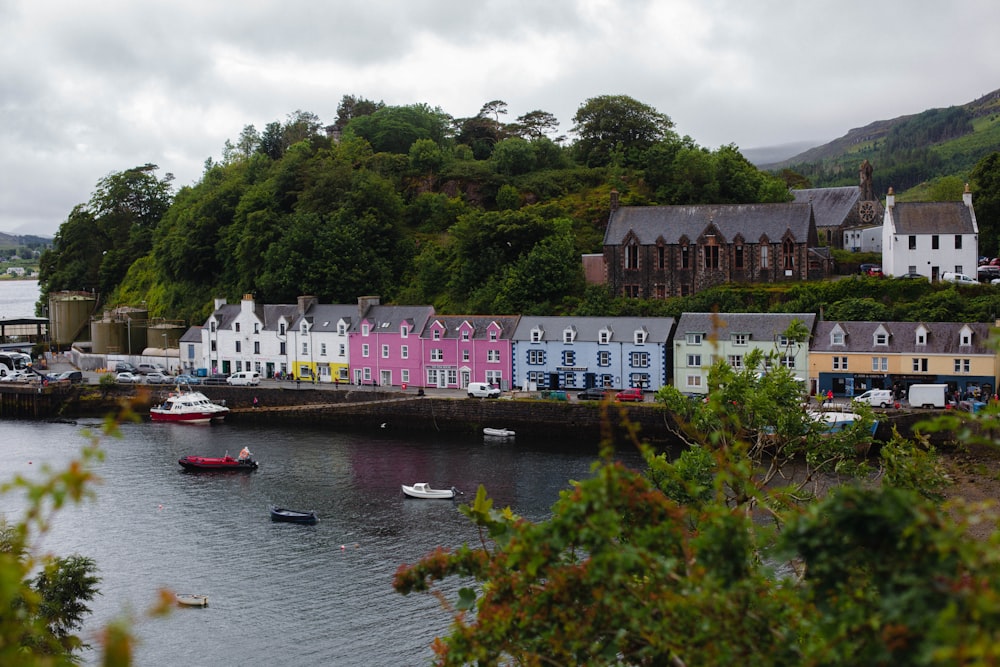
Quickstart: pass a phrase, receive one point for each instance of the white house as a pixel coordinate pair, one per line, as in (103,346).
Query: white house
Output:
(319,343)
(930,238)
(863,239)
(248,337)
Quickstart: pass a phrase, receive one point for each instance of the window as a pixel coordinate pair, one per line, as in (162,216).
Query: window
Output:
(536,335)
(784,341)
(788,254)
(935,242)
(211,327)
(711,257)
(256,325)
(639,359)
(685,257)
(882,339)
(604,358)
(788,361)
(436,335)
(632,256)
(281,348)
(404,351)
(540,378)
(341,350)
(958,241)
(639,337)
(281,329)
(694,361)
(494,377)
(604,336)
(919,365)
(493,356)
(661,256)
(465,334)
(256,347)
(694,338)
(963,365)
(341,329)
(493,335)
(536,357)
(367,374)
(837,338)
(568,358)
(959,269)
(740,339)
(631,291)
(763,256)
(913,242)
(322,349)
(912,268)
(735,361)
(568,335)
(840,363)
(237,326)
(214,347)
(465,355)
(365,329)
(385,351)
(364,350)
(238,349)
(880,364)
(738,257)
(966,339)
(693,380)
(404,376)
(437,354)
(404,331)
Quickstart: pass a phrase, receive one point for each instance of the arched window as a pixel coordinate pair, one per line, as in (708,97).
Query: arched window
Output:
(788,252)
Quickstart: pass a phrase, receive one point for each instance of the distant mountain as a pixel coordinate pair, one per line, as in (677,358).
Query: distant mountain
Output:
(904,151)
(18,240)
(765,155)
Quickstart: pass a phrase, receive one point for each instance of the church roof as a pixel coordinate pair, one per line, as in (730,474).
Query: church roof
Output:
(673,223)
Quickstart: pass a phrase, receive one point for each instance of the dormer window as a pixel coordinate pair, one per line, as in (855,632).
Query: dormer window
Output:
(365,329)
(281,329)
(965,336)
(837,337)
(741,339)
(404,331)
(304,328)
(881,338)
(536,335)
(465,334)
(341,329)
(569,334)
(436,334)
(493,335)
(640,336)
(921,335)
(604,336)
(694,339)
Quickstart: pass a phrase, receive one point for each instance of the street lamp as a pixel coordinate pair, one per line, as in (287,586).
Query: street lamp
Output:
(166,364)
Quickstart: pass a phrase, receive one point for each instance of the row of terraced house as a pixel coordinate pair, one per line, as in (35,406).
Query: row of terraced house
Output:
(373,344)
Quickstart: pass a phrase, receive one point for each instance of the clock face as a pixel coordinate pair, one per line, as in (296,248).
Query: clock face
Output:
(867,211)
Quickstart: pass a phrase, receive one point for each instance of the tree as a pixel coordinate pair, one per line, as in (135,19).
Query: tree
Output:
(986,189)
(514,156)
(351,107)
(535,124)
(394,129)
(608,121)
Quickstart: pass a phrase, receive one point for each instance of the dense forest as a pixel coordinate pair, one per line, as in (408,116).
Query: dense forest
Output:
(471,215)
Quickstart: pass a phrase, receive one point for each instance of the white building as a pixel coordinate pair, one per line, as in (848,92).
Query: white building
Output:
(863,239)
(929,238)
(249,337)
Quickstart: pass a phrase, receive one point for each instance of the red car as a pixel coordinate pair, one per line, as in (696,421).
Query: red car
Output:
(630,394)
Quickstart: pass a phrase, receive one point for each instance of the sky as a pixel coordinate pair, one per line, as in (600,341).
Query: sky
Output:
(88,89)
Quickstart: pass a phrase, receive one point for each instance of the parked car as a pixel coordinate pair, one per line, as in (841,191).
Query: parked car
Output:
(216,378)
(125,367)
(482,390)
(17,376)
(158,378)
(913,276)
(987,273)
(631,394)
(145,369)
(75,377)
(870,270)
(187,379)
(595,394)
(244,378)
(957,278)
(127,377)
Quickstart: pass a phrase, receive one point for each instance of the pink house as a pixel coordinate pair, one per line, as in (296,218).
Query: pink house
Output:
(385,343)
(459,349)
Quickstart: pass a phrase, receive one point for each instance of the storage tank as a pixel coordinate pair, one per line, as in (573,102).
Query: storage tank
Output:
(172,331)
(69,314)
(108,336)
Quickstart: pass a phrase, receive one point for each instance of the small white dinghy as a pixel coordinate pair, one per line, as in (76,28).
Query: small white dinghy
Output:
(192,600)
(423,490)
(498,432)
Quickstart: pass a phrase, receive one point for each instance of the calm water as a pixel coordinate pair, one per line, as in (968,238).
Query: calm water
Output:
(279,594)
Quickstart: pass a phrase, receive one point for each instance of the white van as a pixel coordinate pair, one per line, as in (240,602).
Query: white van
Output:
(482,390)
(876,397)
(244,378)
(958,278)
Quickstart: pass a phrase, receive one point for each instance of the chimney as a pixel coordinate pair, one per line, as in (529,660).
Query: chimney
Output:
(890,199)
(614,200)
(967,196)
(246,305)
(366,302)
(220,301)
(306,302)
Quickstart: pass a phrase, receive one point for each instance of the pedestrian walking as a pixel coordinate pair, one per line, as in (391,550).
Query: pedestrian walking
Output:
(255,404)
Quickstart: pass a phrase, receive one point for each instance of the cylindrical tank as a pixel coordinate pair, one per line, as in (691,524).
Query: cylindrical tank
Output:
(109,337)
(69,313)
(156,333)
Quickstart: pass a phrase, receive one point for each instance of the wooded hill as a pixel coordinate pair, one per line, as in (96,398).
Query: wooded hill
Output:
(906,151)
(471,215)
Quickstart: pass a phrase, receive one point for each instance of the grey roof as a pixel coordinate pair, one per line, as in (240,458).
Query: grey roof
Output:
(324,317)
(267,314)
(192,335)
(479,323)
(588,328)
(760,326)
(673,223)
(832,206)
(942,337)
(389,318)
(939,217)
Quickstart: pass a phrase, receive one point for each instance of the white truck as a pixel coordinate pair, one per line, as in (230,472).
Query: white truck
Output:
(927,395)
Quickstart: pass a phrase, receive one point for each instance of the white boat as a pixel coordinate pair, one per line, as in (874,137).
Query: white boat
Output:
(835,421)
(423,490)
(498,432)
(192,600)
(188,407)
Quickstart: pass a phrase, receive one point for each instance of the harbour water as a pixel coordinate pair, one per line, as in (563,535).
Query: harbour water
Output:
(279,594)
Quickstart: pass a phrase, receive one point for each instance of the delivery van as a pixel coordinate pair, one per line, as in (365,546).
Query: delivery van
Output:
(482,390)
(876,397)
(927,395)
(245,378)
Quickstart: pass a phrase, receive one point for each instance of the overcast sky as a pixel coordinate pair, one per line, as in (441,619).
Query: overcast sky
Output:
(92,88)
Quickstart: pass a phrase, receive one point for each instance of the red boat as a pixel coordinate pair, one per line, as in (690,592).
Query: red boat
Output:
(218,463)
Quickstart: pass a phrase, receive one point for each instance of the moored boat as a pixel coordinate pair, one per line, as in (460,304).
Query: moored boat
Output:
(192,600)
(293,516)
(188,407)
(423,490)
(498,432)
(834,421)
(226,462)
